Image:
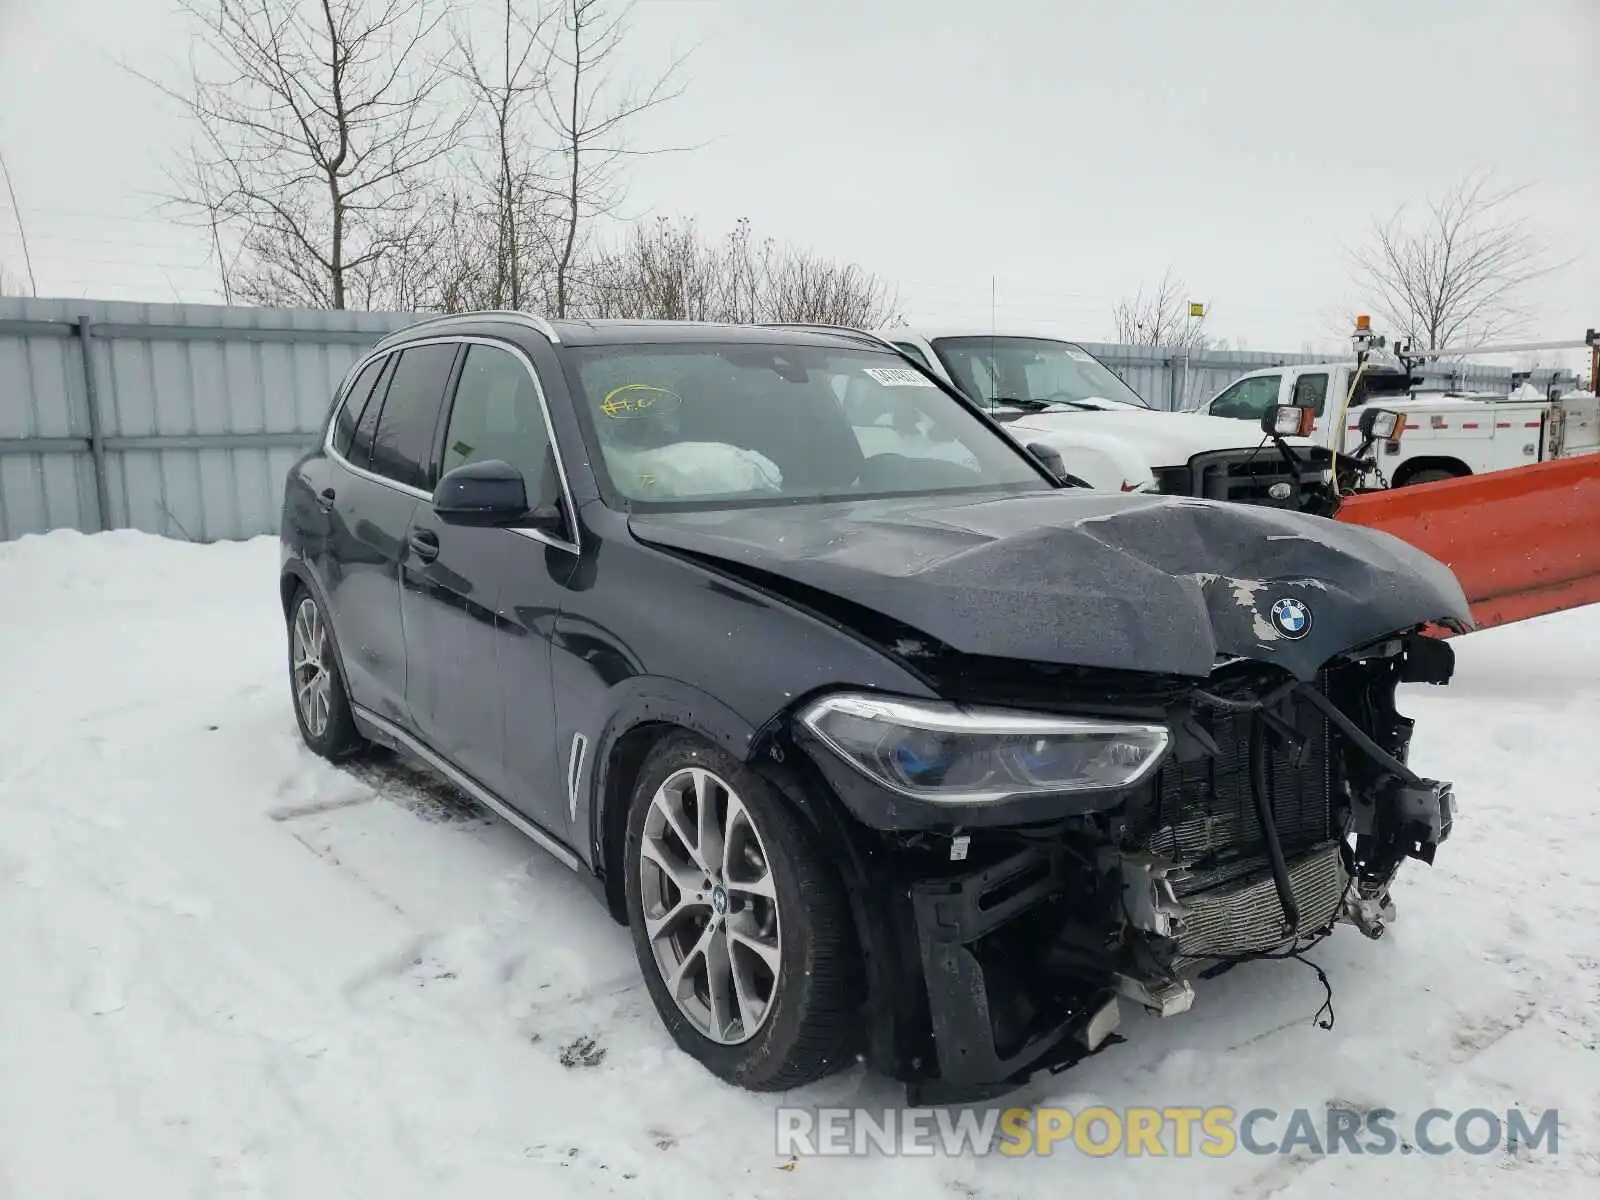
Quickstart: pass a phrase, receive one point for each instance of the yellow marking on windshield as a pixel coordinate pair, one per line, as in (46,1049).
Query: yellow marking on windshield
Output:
(631,399)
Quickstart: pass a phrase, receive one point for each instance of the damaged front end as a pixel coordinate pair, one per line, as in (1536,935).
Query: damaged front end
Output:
(1281,808)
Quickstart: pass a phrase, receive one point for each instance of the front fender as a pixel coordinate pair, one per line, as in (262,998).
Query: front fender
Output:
(639,705)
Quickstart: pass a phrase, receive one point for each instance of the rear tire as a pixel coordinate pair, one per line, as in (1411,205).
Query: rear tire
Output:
(751,921)
(316,682)
(1430,475)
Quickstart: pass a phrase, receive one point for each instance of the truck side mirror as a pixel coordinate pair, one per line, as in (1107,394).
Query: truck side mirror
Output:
(1050,458)
(1288,420)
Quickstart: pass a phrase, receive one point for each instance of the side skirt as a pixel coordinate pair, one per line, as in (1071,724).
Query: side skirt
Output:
(380,729)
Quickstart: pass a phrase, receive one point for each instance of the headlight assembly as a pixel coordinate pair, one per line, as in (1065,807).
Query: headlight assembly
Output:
(954,755)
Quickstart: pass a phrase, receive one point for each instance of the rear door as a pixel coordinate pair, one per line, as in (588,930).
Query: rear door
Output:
(359,560)
(388,448)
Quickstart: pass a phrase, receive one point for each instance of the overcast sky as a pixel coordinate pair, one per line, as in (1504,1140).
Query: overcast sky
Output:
(1060,151)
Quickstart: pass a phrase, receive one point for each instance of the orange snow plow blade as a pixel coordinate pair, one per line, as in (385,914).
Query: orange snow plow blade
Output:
(1523,541)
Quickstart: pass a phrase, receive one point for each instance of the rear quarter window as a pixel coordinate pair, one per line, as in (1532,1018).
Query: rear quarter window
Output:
(350,412)
(360,453)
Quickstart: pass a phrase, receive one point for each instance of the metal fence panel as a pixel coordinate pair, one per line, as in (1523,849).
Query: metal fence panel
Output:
(188,417)
(197,412)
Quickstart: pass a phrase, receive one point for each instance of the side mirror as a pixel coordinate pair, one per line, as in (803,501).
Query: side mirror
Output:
(1288,420)
(1050,457)
(482,493)
(1381,425)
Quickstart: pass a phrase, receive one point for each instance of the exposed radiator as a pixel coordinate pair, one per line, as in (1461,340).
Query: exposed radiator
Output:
(1246,916)
(1203,813)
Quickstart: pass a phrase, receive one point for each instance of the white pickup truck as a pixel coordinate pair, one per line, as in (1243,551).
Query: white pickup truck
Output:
(1048,391)
(1446,434)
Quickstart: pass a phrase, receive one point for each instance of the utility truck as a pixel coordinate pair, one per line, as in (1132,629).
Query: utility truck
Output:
(1446,434)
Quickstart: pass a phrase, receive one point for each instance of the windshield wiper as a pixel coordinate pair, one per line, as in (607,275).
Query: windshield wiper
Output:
(1028,403)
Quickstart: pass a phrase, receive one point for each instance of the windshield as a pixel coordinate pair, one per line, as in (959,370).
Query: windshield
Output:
(708,424)
(1032,372)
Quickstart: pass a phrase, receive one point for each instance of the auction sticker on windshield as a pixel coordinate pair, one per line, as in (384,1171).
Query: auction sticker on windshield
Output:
(897,377)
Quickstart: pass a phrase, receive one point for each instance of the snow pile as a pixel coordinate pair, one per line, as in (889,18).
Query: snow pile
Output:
(228,969)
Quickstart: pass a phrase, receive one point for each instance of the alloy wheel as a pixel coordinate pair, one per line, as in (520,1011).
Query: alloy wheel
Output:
(710,905)
(313,680)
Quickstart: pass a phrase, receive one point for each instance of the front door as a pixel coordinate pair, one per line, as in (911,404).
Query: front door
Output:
(479,684)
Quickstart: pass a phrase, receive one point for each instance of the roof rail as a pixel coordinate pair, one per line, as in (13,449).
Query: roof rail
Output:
(823,327)
(528,319)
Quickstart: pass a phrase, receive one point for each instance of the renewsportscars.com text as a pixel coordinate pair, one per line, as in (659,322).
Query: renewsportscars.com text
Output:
(1214,1132)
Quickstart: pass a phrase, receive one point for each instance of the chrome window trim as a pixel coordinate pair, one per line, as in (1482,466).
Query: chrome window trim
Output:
(574,546)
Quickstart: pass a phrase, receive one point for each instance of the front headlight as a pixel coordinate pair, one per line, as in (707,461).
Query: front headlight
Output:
(954,755)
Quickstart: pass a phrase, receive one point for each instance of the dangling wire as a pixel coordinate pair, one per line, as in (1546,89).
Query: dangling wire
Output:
(1297,953)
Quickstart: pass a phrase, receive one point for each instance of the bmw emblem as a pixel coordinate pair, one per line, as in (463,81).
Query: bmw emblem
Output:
(1291,618)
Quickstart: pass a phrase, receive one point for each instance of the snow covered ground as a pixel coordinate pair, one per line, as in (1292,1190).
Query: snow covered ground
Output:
(228,969)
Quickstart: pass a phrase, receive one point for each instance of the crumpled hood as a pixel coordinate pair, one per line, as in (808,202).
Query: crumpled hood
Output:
(1142,583)
(1167,439)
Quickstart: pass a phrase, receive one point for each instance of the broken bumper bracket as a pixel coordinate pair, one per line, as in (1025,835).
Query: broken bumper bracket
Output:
(951,916)
(1425,811)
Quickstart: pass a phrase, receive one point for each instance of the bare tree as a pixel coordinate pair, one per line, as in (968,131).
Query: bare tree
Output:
(668,271)
(22,233)
(661,271)
(1159,317)
(314,141)
(1453,274)
(803,286)
(589,115)
(503,251)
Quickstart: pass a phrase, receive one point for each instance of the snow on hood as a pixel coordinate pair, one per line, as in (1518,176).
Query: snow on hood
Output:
(1168,439)
(1142,583)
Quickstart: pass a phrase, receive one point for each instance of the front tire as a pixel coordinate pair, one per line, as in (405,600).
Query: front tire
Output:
(316,682)
(741,927)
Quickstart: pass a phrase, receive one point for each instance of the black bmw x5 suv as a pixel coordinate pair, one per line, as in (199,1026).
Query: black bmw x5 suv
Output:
(881,739)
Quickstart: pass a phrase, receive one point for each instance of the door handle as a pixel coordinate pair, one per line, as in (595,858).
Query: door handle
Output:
(425,544)
(325,499)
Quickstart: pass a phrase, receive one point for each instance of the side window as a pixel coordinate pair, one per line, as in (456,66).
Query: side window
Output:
(344,425)
(1223,405)
(1249,398)
(1311,391)
(915,352)
(402,449)
(973,375)
(361,443)
(496,414)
